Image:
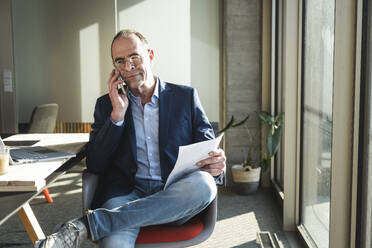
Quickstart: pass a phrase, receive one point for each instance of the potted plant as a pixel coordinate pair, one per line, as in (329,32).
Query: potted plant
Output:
(246,176)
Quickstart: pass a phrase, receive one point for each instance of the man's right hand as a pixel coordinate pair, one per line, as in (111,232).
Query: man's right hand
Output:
(119,101)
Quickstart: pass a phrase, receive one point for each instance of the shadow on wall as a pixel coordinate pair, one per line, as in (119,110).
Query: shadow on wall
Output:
(166,25)
(66,58)
(185,37)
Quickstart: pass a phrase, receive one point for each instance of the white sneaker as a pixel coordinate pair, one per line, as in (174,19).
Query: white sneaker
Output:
(68,236)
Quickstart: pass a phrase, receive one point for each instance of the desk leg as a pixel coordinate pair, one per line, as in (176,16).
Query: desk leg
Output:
(30,223)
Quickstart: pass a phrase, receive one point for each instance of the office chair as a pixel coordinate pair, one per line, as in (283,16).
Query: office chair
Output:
(43,120)
(193,232)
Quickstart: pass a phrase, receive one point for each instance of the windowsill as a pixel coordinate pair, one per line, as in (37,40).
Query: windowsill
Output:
(278,193)
(278,190)
(306,239)
(293,237)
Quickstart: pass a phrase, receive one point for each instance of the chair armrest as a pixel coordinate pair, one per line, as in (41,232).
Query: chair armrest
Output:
(209,216)
(90,182)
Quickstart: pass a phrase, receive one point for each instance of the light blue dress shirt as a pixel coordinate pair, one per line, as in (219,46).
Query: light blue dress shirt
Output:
(146,125)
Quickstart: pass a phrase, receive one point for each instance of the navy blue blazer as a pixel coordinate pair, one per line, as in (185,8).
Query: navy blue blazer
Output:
(111,151)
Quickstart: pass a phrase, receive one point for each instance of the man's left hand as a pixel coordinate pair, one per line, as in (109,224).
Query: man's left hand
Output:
(215,164)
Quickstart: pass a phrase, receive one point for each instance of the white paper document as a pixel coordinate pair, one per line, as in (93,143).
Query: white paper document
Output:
(189,155)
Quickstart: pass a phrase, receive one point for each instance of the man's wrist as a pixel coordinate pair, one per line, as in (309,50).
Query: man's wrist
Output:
(118,123)
(116,118)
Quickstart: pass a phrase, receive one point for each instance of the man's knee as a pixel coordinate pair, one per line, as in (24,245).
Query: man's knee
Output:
(202,186)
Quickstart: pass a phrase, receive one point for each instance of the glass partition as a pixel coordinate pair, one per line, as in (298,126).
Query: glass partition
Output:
(316,119)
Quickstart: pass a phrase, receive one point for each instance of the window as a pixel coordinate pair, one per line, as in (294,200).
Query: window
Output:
(278,93)
(365,194)
(316,119)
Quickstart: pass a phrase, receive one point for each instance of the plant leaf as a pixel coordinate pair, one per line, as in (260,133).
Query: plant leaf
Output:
(273,140)
(269,142)
(279,117)
(227,126)
(261,116)
(241,122)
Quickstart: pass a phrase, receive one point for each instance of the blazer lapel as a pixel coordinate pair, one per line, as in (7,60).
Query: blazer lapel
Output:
(165,113)
(131,132)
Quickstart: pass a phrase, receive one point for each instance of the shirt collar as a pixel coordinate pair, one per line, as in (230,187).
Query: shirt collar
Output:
(156,90)
(154,98)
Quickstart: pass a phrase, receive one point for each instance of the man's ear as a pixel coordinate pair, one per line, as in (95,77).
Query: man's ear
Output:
(151,56)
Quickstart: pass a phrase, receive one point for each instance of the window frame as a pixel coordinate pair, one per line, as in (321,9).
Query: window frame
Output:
(345,118)
(363,225)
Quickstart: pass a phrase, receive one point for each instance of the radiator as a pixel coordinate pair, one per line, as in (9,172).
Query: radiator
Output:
(73,127)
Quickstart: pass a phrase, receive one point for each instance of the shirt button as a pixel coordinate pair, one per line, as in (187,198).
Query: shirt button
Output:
(148,137)
(146,119)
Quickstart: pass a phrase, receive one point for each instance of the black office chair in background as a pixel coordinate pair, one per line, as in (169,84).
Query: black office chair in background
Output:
(43,120)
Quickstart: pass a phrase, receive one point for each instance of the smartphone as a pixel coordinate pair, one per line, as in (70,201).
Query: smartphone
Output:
(122,86)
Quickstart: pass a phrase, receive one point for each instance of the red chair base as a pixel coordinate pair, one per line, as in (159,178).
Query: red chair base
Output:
(47,196)
(170,233)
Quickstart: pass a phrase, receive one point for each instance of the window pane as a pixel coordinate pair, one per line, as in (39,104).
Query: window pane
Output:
(278,168)
(366,135)
(317,118)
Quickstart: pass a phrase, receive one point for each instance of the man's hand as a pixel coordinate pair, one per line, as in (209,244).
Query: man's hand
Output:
(215,164)
(119,101)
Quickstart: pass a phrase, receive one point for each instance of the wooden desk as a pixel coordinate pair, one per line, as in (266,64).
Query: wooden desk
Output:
(18,201)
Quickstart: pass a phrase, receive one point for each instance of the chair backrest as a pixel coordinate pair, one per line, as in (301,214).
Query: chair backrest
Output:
(43,118)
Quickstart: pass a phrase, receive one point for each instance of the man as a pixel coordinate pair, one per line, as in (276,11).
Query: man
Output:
(134,146)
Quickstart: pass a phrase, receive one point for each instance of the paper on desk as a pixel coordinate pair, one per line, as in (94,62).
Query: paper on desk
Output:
(189,155)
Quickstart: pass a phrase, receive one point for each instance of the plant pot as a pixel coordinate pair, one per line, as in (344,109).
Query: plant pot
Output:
(246,180)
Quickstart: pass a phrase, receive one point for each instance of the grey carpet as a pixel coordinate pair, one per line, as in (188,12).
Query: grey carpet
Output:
(239,217)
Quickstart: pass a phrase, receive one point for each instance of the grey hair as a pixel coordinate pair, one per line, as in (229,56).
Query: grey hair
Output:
(125,33)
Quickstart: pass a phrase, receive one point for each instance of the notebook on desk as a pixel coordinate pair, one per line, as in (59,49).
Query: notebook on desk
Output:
(32,154)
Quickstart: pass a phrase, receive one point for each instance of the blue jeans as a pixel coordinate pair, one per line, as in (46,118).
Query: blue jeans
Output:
(117,223)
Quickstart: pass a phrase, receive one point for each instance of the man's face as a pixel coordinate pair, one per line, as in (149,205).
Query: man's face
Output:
(133,60)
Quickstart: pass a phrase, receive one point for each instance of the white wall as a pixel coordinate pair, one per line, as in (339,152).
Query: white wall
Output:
(205,54)
(166,25)
(62,54)
(185,37)
(62,49)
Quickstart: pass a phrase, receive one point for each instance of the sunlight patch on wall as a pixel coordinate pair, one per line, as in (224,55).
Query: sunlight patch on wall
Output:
(89,70)
(166,25)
